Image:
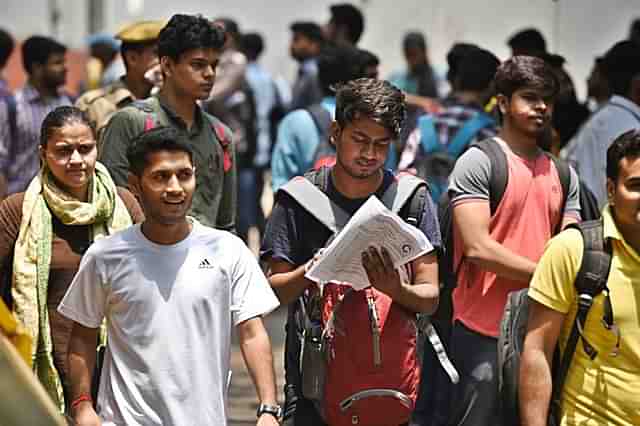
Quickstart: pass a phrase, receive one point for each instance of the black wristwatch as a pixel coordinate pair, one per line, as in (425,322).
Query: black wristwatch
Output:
(274,410)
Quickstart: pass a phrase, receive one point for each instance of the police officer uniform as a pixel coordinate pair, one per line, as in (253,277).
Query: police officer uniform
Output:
(100,104)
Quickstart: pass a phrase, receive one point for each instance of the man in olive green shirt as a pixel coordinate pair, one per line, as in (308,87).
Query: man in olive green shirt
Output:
(189,48)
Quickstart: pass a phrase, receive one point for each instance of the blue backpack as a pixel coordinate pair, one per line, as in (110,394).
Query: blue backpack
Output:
(438,160)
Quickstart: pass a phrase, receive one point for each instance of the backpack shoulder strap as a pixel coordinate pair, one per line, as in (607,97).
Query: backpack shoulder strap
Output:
(321,118)
(428,135)
(467,132)
(499,170)
(311,198)
(590,281)
(564,173)
(407,189)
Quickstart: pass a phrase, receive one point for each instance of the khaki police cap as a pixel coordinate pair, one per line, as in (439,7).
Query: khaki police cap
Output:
(141,32)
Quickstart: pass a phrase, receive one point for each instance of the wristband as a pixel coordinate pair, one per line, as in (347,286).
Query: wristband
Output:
(83,397)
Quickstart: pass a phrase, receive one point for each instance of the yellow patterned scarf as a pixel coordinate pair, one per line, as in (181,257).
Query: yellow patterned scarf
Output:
(105,211)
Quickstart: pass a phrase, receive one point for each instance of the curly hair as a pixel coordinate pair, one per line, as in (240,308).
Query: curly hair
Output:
(188,32)
(60,117)
(624,146)
(378,100)
(530,72)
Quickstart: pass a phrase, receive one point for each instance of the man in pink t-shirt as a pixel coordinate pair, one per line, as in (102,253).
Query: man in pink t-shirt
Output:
(497,253)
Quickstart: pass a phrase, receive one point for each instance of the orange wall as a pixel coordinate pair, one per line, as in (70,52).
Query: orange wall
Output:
(76,61)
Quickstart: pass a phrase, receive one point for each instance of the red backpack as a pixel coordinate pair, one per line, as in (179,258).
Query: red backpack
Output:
(360,359)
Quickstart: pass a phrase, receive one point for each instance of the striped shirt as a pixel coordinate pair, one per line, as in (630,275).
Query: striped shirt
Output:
(19,160)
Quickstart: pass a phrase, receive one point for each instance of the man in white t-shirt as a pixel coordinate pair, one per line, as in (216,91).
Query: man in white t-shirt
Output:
(170,290)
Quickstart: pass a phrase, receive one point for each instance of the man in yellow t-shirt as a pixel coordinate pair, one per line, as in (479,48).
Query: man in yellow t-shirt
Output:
(605,390)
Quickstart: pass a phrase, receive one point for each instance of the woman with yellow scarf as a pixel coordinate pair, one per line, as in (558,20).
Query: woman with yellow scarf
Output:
(45,231)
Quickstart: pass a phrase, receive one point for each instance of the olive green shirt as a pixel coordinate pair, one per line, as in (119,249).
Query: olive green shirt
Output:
(214,200)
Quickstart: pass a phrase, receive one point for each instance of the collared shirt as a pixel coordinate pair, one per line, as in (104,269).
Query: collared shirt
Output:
(587,152)
(19,159)
(4,87)
(606,389)
(447,123)
(266,97)
(214,200)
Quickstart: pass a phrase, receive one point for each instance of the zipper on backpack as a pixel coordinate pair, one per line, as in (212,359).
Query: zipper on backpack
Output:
(375,330)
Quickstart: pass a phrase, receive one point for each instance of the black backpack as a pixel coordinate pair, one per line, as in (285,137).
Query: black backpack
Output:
(590,281)
(238,112)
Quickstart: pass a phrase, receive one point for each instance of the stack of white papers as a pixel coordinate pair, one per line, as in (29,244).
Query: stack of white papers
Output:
(372,225)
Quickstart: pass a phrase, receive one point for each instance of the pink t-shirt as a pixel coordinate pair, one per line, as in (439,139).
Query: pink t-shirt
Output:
(523,222)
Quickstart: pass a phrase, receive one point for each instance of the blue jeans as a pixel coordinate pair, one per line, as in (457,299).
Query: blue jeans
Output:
(250,186)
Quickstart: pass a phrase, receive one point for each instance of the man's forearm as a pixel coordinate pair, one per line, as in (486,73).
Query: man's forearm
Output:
(82,359)
(535,388)
(494,257)
(419,298)
(288,286)
(256,350)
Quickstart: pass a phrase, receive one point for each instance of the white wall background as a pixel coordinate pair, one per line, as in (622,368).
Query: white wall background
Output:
(577,29)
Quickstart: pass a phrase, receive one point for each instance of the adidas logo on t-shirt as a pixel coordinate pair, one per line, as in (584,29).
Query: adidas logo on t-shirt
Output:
(205,264)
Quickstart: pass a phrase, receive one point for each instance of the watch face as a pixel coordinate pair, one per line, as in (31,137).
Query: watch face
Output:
(274,410)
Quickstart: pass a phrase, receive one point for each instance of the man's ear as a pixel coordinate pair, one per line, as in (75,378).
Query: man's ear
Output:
(133,182)
(503,103)
(334,132)
(166,63)
(611,190)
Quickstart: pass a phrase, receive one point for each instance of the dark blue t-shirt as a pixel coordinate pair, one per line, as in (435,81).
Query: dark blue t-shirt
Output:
(293,235)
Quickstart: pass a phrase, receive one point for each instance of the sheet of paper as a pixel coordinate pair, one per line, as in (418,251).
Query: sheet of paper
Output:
(372,225)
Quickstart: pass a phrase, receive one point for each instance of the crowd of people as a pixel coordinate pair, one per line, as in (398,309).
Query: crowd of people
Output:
(118,256)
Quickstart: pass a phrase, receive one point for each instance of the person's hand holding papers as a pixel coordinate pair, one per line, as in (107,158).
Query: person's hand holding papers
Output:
(380,271)
(372,225)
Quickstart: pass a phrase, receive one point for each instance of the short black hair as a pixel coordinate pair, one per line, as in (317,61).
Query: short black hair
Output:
(163,138)
(477,70)
(528,40)
(455,55)
(378,100)
(187,32)
(310,30)
(252,45)
(620,65)
(38,49)
(627,145)
(60,117)
(338,64)
(133,47)
(348,16)
(414,40)
(6,47)
(530,72)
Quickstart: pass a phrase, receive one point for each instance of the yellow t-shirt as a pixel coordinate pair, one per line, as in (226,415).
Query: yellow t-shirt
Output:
(605,391)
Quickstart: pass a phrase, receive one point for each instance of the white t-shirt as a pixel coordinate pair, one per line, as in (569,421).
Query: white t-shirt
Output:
(169,312)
